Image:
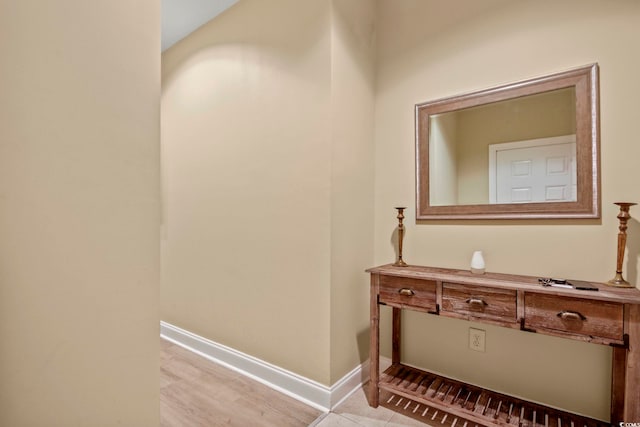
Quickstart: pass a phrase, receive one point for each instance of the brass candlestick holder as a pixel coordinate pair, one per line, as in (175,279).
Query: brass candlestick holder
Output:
(623,216)
(400,262)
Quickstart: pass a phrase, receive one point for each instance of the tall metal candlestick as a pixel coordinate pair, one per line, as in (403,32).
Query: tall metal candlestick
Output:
(623,216)
(400,262)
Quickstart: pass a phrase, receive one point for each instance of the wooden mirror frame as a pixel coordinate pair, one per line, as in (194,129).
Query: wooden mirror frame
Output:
(587,205)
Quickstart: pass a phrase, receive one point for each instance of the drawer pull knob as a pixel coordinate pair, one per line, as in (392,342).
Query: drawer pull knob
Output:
(406,292)
(571,315)
(476,301)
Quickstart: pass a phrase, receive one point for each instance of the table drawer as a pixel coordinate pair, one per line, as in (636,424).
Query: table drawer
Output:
(575,316)
(479,302)
(405,291)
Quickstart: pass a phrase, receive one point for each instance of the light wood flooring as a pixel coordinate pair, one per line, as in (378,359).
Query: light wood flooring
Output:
(195,392)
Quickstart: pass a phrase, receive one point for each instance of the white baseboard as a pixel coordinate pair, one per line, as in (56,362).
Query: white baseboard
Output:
(303,389)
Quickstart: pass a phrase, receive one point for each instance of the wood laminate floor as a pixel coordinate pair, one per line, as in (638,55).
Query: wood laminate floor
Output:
(196,392)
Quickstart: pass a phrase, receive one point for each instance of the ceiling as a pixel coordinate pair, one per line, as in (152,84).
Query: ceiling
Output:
(181,17)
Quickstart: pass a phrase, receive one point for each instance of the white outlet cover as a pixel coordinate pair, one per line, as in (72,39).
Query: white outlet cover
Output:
(477,339)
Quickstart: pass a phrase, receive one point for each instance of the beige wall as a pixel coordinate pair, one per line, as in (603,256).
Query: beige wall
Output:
(268,170)
(352,92)
(79,204)
(508,41)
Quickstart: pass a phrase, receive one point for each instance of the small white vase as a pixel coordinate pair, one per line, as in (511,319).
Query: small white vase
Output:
(477,263)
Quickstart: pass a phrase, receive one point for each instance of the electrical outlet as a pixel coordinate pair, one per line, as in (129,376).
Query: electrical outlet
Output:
(477,339)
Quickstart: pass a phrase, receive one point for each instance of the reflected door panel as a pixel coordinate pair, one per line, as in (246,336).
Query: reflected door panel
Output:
(536,174)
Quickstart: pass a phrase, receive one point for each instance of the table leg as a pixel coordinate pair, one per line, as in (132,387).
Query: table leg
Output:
(374,344)
(632,382)
(619,367)
(395,341)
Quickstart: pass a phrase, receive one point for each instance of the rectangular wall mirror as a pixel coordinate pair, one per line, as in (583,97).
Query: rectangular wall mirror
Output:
(524,150)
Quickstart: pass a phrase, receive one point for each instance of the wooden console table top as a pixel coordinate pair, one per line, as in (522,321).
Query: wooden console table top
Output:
(510,281)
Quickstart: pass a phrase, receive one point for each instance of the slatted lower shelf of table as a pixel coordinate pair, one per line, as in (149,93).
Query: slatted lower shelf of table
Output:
(437,400)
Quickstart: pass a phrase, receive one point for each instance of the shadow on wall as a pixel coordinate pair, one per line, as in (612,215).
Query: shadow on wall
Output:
(362,339)
(394,242)
(633,250)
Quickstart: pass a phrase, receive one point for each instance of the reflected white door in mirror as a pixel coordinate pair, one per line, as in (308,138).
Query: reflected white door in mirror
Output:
(538,170)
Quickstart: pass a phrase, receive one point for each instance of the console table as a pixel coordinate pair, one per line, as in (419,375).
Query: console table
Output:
(609,316)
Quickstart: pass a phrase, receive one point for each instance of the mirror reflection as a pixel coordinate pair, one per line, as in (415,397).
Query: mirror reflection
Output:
(514,151)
